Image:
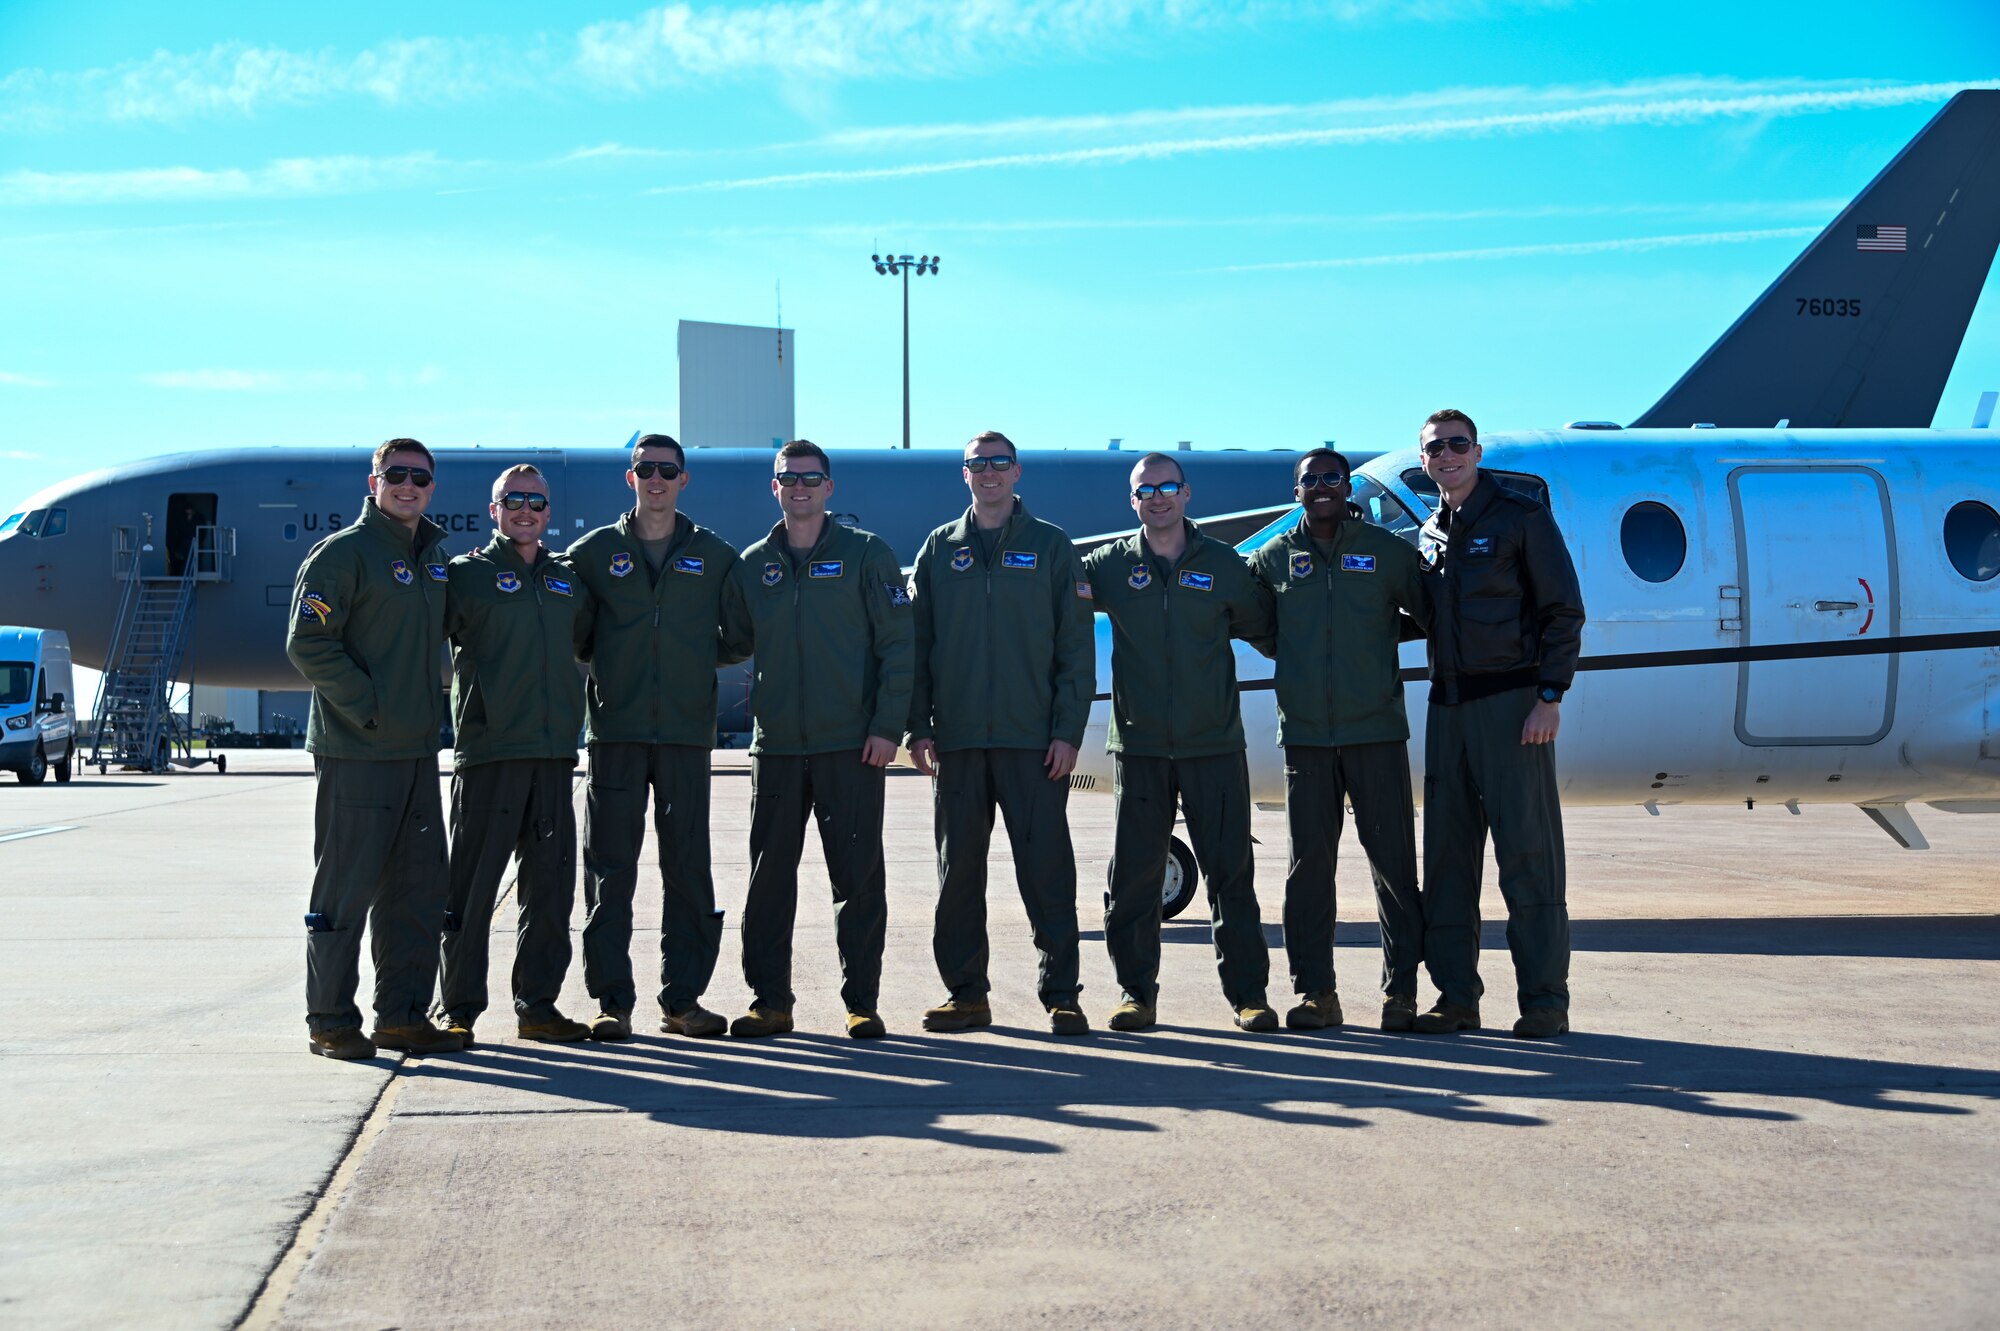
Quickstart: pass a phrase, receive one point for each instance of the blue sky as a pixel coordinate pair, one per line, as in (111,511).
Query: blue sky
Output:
(1260,224)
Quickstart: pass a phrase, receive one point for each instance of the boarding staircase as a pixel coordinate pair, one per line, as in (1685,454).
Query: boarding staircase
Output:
(137,727)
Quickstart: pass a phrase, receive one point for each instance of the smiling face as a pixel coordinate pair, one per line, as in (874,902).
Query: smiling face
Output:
(1159,512)
(1454,472)
(523,526)
(992,488)
(1323,502)
(403,503)
(655,493)
(798,500)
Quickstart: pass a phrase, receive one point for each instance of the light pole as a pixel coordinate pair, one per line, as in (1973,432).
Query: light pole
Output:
(901,265)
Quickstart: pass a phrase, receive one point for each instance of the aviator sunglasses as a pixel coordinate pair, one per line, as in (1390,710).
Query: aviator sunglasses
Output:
(1458,443)
(1313,480)
(977,465)
(668,470)
(416,476)
(514,501)
(1167,488)
(812,480)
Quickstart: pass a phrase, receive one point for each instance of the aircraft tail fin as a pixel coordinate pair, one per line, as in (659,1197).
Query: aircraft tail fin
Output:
(1861,331)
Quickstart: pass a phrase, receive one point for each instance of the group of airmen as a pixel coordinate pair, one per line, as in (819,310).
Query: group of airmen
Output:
(982,661)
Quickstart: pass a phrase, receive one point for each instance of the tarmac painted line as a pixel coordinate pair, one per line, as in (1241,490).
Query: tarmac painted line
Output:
(267,1305)
(33,831)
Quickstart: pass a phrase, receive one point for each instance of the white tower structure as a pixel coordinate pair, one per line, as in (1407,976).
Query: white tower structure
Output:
(736,385)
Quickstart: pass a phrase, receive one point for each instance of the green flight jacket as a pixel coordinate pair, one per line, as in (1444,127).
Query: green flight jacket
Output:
(367,632)
(833,641)
(1338,622)
(1006,657)
(515,688)
(653,645)
(1173,672)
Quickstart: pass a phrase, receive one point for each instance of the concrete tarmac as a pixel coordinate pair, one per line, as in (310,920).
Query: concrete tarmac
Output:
(1778,1108)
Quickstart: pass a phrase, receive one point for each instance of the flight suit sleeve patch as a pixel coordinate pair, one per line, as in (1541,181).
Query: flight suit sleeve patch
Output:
(313,608)
(898,593)
(1085,592)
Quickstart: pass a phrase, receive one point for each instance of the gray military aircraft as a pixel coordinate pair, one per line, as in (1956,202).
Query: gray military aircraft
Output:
(1861,330)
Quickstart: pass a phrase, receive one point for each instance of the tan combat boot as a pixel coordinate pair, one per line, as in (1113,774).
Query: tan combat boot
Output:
(1316,1012)
(958,1014)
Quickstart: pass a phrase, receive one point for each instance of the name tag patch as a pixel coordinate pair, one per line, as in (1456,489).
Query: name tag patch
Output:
(313,607)
(1479,545)
(507,581)
(621,565)
(400,570)
(1357,563)
(898,593)
(1016,559)
(1302,565)
(1201,582)
(961,559)
(1142,577)
(774,573)
(825,568)
(559,586)
(438,572)
(687,564)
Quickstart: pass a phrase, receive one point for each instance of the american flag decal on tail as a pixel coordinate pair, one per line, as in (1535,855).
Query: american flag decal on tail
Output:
(1893,239)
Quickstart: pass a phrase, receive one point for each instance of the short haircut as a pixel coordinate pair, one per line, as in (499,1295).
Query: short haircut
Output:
(806,448)
(518,469)
(389,446)
(1152,459)
(647,441)
(993,437)
(1299,467)
(1451,414)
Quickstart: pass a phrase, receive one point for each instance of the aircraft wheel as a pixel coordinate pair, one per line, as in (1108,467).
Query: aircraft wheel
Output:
(102,768)
(1182,881)
(37,768)
(221,763)
(67,766)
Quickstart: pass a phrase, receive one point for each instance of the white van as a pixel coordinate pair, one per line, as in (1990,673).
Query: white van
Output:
(38,729)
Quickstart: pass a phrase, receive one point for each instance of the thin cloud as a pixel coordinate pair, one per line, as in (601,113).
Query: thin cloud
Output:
(20,455)
(1558,248)
(1652,112)
(254,381)
(284,178)
(13,380)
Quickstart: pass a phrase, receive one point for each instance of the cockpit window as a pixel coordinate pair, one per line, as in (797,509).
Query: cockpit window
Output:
(1520,482)
(17,682)
(12,521)
(40,522)
(1384,509)
(55,523)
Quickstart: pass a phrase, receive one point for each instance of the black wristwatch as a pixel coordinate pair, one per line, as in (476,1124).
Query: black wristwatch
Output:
(1549,693)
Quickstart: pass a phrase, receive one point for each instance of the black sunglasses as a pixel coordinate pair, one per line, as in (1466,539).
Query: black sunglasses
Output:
(1313,480)
(514,501)
(977,465)
(812,480)
(1167,488)
(668,470)
(416,476)
(1458,443)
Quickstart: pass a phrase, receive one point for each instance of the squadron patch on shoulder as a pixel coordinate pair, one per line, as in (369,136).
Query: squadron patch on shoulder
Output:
(560,586)
(507,580)
(621,564)
(1142,577)
(961,558)
(400,570)
(774,573)
(688,564)
(898,593)
(1085,592)
(438,572)
(313,607)
(825,568)
(1302,564)
(1201,582)
(1357,563)
(1017,559)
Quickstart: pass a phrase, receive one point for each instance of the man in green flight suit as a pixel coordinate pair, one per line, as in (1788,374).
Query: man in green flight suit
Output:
(655,579)
(827,614)
(1175,598)
(367,632)
(1343,590)
(516,706)
(1005,669)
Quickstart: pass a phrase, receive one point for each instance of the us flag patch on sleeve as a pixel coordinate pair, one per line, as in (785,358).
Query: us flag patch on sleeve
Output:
(1083,590)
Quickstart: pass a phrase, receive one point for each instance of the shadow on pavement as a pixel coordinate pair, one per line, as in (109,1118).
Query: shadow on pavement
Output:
(820,1086)
(1925,937)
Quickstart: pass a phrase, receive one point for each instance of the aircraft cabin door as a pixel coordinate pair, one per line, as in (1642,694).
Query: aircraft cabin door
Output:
(190,517)
(1816,565)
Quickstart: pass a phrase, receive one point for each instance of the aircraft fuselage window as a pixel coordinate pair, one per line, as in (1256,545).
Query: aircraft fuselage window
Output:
(17,682)
(1972,540)
(1654,541)
(1384,510)
(291,531)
